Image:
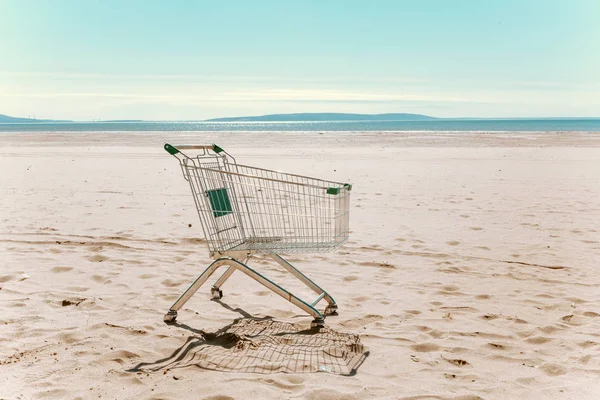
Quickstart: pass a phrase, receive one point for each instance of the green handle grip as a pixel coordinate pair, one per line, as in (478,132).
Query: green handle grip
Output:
(174,150)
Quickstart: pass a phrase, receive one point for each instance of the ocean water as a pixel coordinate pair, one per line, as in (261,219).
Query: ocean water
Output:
(500,125)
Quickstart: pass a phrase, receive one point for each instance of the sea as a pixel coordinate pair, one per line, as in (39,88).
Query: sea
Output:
(441,125)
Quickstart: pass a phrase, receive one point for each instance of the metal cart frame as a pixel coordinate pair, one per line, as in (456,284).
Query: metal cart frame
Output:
(246,210)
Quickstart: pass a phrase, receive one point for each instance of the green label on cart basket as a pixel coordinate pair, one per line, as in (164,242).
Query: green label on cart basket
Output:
(219,201)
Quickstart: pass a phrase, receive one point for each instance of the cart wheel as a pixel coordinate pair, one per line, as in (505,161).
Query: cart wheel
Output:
(317,323)
(331,309)
(216,293)
(170,317)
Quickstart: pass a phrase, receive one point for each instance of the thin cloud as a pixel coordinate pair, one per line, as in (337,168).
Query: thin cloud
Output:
(211,78)
(262,95)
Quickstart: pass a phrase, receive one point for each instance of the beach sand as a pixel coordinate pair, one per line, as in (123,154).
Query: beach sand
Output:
(471,271)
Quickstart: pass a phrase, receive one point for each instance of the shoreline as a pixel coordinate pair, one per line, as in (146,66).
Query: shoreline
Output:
(306,139)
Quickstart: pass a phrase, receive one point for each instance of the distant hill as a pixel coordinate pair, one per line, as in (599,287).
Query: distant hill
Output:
(6,119)
(327,117)
(122,120)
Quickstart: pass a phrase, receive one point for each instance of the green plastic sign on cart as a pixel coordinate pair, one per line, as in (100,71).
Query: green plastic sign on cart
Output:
(219,202)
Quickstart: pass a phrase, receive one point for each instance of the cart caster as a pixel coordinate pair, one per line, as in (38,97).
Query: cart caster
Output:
(170,317)
(317,323)
(331,309)
(216,293)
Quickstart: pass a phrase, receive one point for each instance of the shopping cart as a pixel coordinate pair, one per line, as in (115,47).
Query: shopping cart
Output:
(246,210)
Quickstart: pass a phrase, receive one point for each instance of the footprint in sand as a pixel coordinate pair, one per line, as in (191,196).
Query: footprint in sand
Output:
(97,258)
(77,288)
(449,293)
(437,334)
(585,359)
(553,369)
(425,347)
(575,300)
(60,269)
(147,276)
(362,321)
(587,344)
(72,302)
(453,243)
(589,241)
(517,320)
(489,317)
(450,288)
(318,394)
(6,278)
(119,356)
(99,278)
(545,296)
(538,340)
(573,319)
(171,283)
(52,393)
(456,361)
(376,264)
(550,329)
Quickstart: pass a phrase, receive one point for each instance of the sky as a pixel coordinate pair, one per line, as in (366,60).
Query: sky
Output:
(192,60)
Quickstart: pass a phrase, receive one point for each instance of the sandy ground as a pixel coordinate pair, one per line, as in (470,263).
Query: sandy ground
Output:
(471,270)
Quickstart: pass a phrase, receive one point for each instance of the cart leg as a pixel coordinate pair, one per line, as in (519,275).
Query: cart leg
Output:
(172,314)
(331,304)
(234,264)
(216,291)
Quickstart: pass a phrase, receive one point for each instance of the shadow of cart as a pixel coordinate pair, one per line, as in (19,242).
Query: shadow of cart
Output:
(265,346)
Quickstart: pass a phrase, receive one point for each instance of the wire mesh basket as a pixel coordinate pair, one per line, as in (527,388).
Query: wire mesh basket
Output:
(260,210)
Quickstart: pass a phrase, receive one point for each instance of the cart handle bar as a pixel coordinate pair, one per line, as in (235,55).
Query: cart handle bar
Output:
(329,190)
(174,150)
